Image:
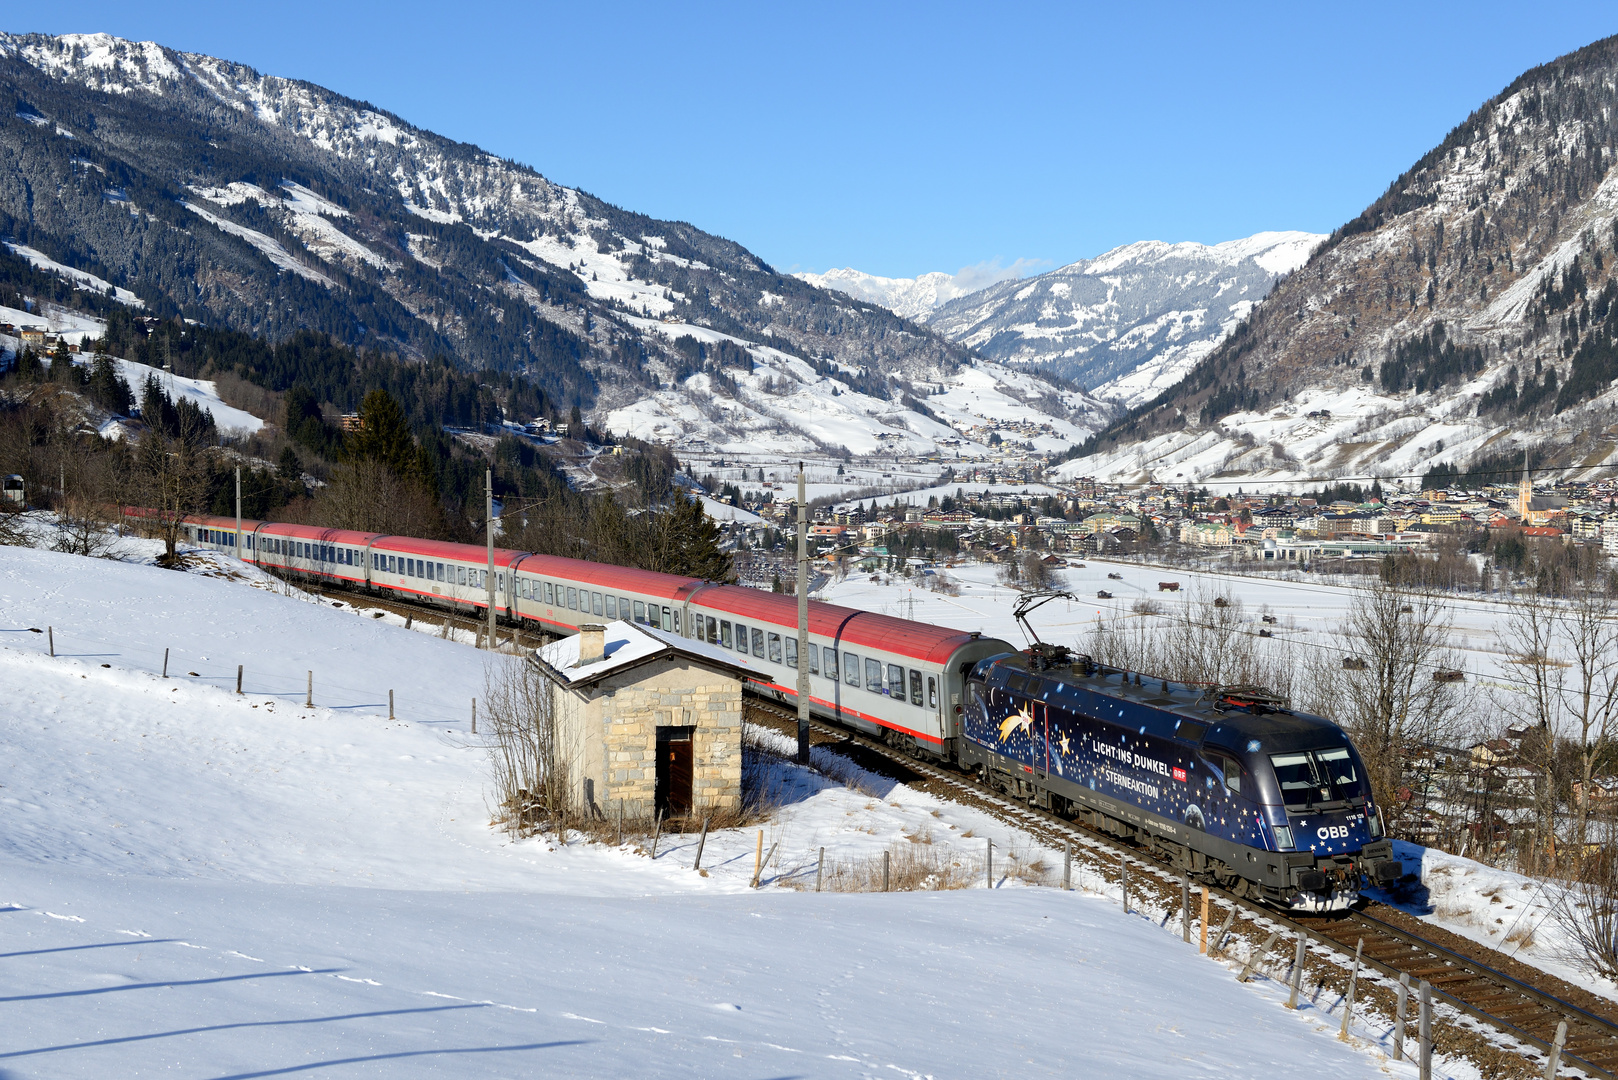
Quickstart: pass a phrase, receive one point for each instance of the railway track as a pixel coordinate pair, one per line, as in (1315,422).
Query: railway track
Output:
(1508,1005)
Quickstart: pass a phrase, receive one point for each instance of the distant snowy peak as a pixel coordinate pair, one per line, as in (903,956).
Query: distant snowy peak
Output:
(913,298)
(1129,321)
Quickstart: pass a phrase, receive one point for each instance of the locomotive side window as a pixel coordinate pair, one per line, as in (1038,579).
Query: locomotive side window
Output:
(775,650)
(1233,774)
(851,669)
(915,687)
(896,681)
(932,691)
(873,675)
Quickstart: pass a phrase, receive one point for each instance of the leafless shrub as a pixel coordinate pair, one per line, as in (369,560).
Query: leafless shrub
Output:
(530,780)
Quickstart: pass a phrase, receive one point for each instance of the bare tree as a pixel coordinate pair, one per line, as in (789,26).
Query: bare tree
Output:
(1396,707)
(1589,695)
(530,776)
(170,476)
(1528,635)
(368,496)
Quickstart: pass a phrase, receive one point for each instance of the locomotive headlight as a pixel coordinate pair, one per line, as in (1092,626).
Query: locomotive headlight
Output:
(1283,837)
(1374,824)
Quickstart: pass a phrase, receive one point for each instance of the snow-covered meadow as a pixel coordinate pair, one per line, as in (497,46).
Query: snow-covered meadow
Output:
(202,884)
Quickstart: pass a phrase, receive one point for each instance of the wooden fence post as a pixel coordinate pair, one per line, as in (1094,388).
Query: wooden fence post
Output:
(474,716)
(1185,907)
(165,663)
(885,860)
(1255,957)
(621,823)
(657,830)
(390,704)
(1203,946)
(1555,1061)
(50,638)
(988,865)
(1297,970)
(758,859)
(701,841)
(1424,1031)
(1399,1016)
(309,694)
(1219,935)
(1123,878)
(1067,865)
(238,680)
(1348,1002)
(820,869)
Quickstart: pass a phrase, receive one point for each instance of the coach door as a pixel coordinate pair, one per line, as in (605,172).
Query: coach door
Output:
(674,770)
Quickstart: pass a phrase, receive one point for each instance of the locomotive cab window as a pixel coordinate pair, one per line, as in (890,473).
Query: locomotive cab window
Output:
(1309,779)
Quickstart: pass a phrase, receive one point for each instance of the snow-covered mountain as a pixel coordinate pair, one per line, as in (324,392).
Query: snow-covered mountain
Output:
(914,298)
(1465,317)
(1132,321)
(201,188)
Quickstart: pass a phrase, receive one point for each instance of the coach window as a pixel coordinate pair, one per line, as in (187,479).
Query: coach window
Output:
(667,615)
(814,659)
(460,575)
(711,631)
(612,606)
(741,638)
(873,675)
(724,632)
(915,687)
(775,650)
(851,669)
(524,587)
(640,611)
(654,617)
(896,682)
(441,573)
(792,652)
(595,603)
(573,599)
(932,691)
(758,643)
(623,607)
(831,664)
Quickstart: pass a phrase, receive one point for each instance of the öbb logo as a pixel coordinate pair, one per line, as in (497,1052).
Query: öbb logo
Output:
(1332,832)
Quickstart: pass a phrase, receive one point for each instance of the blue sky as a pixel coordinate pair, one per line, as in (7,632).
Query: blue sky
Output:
(905,138)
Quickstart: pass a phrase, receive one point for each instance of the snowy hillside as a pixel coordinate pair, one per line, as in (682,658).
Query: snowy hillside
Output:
(783,405)
(271,205)
(208,884)
(1130,322)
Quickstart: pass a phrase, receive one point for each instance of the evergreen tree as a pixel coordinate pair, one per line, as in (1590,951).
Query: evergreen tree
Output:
(384,436)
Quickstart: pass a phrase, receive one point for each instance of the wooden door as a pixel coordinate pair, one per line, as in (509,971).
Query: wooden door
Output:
(674,770)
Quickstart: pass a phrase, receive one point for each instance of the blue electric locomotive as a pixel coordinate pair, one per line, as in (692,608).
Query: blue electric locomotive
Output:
(1225,782)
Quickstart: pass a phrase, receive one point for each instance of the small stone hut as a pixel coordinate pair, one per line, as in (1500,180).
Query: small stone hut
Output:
(647,717)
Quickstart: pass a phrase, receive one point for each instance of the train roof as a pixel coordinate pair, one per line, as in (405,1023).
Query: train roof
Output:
(921,641)
(1229,726)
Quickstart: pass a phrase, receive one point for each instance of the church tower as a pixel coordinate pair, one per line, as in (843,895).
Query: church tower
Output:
(1525,492)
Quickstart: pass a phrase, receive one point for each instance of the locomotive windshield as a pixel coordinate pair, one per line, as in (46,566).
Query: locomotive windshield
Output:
(1317,779)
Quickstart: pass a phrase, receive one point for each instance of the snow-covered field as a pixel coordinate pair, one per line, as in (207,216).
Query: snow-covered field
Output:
(1308,613)
(197,883)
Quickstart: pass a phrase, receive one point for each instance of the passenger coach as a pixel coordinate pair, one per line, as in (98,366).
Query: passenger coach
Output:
(886,676)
